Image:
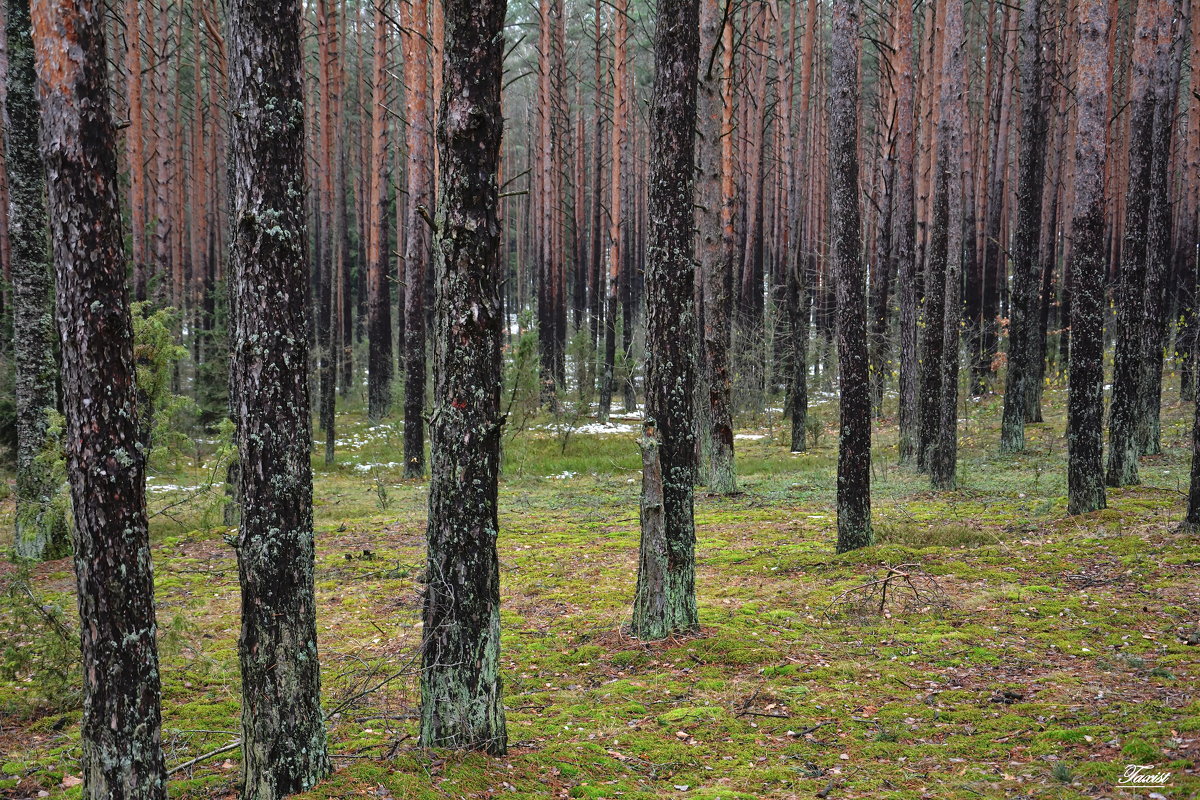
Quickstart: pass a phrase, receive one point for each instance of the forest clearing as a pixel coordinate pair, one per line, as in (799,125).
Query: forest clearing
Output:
(1048,654)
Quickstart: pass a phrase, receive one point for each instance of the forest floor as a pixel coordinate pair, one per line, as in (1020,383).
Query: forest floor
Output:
(1026,654)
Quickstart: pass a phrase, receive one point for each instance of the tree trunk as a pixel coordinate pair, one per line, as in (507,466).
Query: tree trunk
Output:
(41,525)
(715,250)
(379,293)
(854,443)
(121,739)
(665,602)
(1123,444)
(1089,267)
(413,37)
(953,161)
(620,34)
(1023,312)
(461,703)
(283,727)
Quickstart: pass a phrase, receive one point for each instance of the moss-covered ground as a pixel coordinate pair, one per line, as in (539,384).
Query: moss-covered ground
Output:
(1042,656)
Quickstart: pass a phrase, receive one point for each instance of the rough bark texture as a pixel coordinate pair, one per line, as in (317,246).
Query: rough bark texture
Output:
(854,441)
(714,256)
(944,458)
(904,234)
(414,33)
(1089,267)
(461,703)
(1168,55)
(283,730)
(665,603)
(1023,310)
(620,33)
(379,293)
(41,525)
(1123,450)
(121,744)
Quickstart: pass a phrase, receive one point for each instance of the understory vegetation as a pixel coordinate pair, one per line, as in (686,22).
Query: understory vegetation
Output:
(988,645)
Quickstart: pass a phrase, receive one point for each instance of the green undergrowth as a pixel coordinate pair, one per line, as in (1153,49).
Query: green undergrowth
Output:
(1011,651)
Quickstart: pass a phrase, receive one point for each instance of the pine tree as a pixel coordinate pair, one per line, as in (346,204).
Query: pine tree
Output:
(461,705)
(41,525)
(854,443)
(1089,268)
(283,728)
(665,603)
(121,728)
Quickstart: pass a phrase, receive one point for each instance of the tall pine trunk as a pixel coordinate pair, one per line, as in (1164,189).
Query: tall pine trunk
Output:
(414,37)
(461,704)
(1123,444)
(41,525)
(715,251)
(1089,266)
(1023,310)
(121,728)
(854,443)
(379,293)
(283,729)
(943,459)
(665,602)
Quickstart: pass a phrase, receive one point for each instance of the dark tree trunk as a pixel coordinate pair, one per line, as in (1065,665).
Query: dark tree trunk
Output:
(905,234)
(283,729)
(41,525)
(416,257)
(934,319)
(665,602)
(379,293)
(1169,54)
(461,703)
(714,257)
(121,728)
(854,443)
(881,295)
(1089,269)
(1123,444)
(944,458)
(1023,311)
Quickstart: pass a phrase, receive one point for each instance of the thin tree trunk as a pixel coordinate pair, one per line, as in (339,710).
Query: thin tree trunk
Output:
(854,443)
(461,705)
(953,160)
(620,34)
(1123,443)
(121,728)
(714,139)
(1027,236)
(414,37)
(379,294)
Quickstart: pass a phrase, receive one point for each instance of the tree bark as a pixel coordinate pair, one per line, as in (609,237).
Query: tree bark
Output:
(414,37)
(379,293)
(283,729)
(1123,444)
(1089,266)
(121,739)
(41,525)
(1027,236)
(952,163)
(854,441)
(715,248)
(461,704)
(665,602)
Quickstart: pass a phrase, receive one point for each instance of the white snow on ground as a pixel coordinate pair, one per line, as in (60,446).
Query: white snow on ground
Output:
(750,436)
(566,475)
(369,467)
(590,428)
(158,488)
